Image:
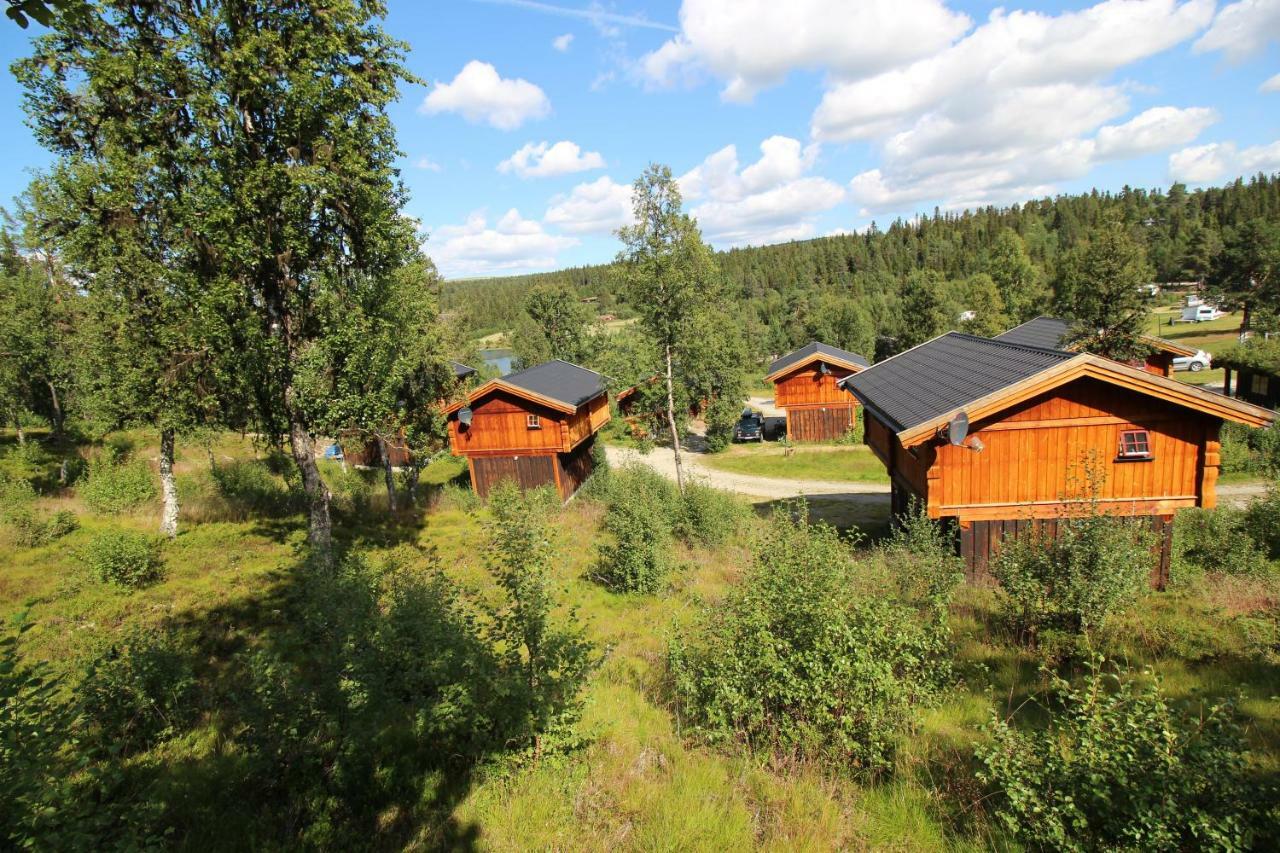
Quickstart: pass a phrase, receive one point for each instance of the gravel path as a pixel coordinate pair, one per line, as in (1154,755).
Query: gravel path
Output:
(771,488)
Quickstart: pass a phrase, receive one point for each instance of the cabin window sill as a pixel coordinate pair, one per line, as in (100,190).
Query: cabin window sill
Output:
(1135,459)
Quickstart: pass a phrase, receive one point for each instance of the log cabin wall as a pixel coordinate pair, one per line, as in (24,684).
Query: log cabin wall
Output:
(528,472)
(817,409)
(500,426)
(1038,457)
(576,467)
(819,423)
(980,543)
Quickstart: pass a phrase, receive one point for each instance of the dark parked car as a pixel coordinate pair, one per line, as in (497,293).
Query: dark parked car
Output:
(750,427)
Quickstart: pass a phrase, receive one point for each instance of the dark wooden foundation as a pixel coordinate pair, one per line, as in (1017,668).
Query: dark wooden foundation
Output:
(822,423)
(565,472)
(979,543)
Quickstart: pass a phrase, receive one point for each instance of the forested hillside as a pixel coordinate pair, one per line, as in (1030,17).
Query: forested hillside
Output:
(850,289)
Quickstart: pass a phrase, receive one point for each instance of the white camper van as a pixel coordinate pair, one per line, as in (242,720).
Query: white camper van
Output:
(1200,313)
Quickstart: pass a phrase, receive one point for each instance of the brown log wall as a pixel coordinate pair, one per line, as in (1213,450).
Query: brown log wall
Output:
(827,423)
(980,541)
(528,472)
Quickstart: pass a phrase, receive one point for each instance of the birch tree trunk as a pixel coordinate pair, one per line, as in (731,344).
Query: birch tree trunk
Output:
(168,486)
(671,423)
(319,522)
(17,425)
(58,417)
(388,474)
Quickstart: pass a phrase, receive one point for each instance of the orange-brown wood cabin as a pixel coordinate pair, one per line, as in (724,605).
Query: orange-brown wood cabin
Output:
(805,386)
(1047,434)
(360,450)
(536,427)
(1051,333)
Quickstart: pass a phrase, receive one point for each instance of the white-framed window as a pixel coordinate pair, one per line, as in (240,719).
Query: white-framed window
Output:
(533,422)
(1135,444)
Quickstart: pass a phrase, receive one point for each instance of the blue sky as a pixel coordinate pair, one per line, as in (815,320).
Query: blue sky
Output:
(797,119)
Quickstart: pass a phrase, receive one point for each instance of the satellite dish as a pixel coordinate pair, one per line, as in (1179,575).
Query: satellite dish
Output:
(464,417)
(958,429)
(823,369)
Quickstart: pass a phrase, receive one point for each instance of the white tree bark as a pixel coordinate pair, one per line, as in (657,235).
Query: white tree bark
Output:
(671,423)
(168,486)
(388,473)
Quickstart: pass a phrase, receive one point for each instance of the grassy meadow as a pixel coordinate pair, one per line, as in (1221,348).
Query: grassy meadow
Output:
(851,463)
(632,778)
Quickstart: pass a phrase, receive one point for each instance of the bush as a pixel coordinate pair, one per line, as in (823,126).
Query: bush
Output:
(793,664)
(641,504)
(252,487)
(114,487)
(1216,540)
(459,497)
(1118,768)
(922,563)
(125,558)
(31,530)
(1096,566)
(1262,522)
(709,516)
(1246,450)
(139,690)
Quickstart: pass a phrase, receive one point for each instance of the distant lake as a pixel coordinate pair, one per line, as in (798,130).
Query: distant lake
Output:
(499,358)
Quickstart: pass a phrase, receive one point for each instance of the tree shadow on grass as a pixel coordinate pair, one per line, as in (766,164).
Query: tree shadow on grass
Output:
(342,709)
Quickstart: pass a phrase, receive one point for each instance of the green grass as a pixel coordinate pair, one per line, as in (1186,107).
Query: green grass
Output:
(854,464)
(637,783)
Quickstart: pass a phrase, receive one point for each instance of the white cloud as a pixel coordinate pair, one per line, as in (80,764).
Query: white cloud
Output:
(1204,164)
(542,160)
(1154,130)
(1270,85)
(1242,30)
(561,43)
(512,245)
(771,200)
(427,164)
(599,207)
(753,44)
(1023,101)
(480,95)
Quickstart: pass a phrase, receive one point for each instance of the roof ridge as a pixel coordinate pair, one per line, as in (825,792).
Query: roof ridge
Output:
(1013,344)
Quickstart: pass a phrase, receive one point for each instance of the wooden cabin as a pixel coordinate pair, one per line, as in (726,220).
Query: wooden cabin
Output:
(361,450)
(536,427)
(1002,438)
(1252,372)
(1051,333)
(806,386)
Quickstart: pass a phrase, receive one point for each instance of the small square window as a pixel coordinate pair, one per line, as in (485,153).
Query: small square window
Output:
(533,422)
(1135,444)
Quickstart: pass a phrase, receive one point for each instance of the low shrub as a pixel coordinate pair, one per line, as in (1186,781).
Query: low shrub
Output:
(1246,450)
(1119,768)
(922,563)
(353,488)
(459,497)
(115,486)
(125,558)
(1216,541)
(33,530)
(1097,565)
(140,690)
(251,487)
(1262,522)
(641,511)
(709,516)
(793,664)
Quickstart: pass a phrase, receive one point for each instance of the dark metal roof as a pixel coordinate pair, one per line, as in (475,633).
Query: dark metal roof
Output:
(461,371)
(815,348)
(560,381)
(1043,332)
(946,373)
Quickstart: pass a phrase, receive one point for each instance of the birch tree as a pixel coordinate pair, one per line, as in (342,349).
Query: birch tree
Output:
(264,131)
(669,276)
